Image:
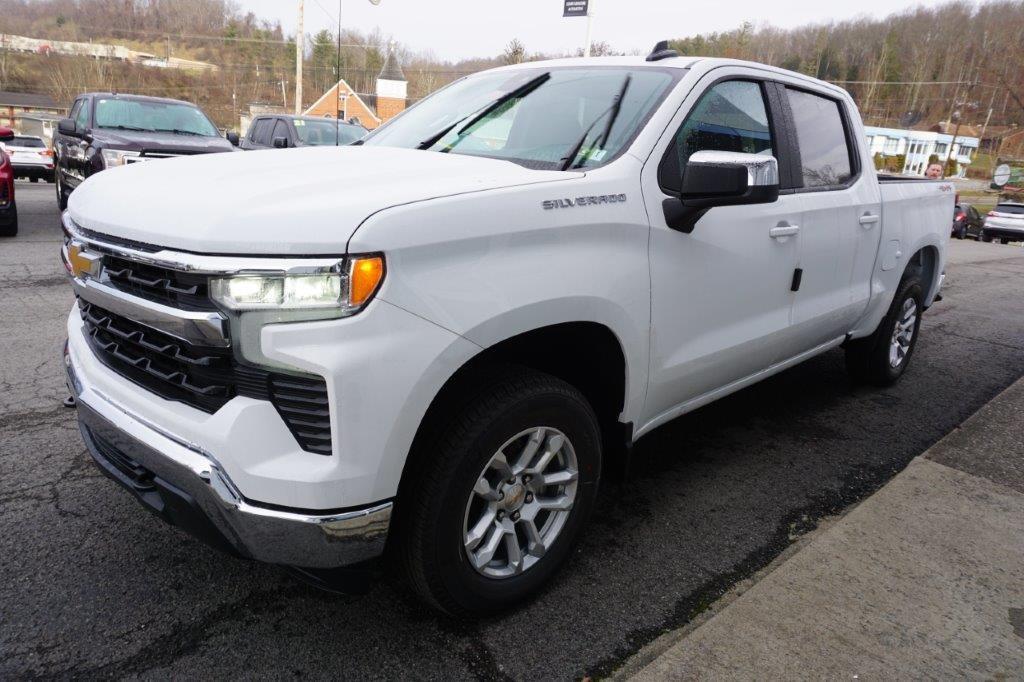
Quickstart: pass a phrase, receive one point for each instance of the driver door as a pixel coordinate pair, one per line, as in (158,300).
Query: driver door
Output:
(721,295)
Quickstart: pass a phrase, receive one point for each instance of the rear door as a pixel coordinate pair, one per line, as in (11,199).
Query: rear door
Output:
(840,223)
(720,295)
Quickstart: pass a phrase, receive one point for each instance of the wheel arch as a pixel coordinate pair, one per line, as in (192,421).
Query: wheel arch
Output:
(588,355)
(926,259)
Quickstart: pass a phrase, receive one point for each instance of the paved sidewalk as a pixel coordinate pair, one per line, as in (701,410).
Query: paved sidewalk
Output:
(924,579)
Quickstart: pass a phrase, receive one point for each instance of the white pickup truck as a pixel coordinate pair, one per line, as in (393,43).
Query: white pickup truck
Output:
(431,344)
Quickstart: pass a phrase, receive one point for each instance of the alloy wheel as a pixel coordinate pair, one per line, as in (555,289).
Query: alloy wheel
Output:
(903,333)
(520,502)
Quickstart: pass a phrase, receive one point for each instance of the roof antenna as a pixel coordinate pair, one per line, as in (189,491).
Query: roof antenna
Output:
(661,51)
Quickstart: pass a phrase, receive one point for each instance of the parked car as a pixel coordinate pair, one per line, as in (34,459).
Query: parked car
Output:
(967,221)
(30,157)
(281,131)
(1005,222)
(525,273)
(8,207)
(106,130)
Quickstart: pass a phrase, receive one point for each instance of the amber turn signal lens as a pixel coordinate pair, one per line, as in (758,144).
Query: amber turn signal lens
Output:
(366,275)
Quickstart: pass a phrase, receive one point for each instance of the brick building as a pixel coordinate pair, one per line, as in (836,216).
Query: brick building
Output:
(389,100)
(392,88)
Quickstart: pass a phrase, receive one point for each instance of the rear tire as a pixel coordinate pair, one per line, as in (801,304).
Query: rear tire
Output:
(1004,241)
(985,238)
(882,358)
(482,487)
(33,179)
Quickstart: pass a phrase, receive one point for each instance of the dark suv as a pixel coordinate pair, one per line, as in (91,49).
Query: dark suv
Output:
(106,130)
(281,131)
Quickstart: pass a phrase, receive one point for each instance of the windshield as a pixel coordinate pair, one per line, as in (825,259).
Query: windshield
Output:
(545,119)
(325,131)
(1015,209)
(160,117)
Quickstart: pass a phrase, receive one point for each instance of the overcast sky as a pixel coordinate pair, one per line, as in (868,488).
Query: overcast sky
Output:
(454,29)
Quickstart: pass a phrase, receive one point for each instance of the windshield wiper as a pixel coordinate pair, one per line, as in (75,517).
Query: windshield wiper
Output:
(614,109)
(132,128)
(179,131)
(522,91)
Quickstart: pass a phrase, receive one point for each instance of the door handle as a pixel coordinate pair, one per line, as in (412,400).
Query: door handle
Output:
(868,219)
(780,231)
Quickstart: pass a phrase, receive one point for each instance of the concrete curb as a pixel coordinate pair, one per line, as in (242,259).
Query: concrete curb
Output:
(923,577)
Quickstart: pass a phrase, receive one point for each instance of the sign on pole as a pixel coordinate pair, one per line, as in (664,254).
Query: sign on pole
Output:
(575,8)
(1001,176)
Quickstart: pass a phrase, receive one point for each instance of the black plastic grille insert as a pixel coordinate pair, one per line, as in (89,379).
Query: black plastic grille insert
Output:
(205,377)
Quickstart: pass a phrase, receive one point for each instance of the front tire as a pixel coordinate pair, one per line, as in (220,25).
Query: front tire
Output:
(986,238)
(495,507)
(62,197)
(882,358)
(11,229)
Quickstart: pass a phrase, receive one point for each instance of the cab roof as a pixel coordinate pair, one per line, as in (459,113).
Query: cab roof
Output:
(682,63)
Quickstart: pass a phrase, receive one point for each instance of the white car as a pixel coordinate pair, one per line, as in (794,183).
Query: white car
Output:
(437,340)
(30,157)
(1005,222)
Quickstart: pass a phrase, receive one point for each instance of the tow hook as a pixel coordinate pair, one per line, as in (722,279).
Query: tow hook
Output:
(70,401)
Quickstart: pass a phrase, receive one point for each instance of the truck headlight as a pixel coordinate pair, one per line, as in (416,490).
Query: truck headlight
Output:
(343,291)
(117,157)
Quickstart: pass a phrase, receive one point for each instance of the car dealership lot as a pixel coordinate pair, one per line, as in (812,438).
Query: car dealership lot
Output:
(90,587)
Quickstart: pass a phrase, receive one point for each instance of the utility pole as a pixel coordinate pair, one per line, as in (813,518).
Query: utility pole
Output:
(590,21)
(300,54)
(959,120)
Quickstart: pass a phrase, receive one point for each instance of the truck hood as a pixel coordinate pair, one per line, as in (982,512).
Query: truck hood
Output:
(137,141)
(303,201)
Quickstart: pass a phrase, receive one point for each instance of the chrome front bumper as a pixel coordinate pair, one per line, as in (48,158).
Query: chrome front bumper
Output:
(185,486)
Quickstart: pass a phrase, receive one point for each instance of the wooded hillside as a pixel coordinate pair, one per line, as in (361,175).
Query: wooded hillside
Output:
(911,69)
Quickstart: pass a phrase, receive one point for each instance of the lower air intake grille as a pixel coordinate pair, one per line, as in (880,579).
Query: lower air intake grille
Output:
(303,405)
(206,378)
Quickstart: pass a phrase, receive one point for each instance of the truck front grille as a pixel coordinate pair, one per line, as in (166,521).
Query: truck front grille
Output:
(185,290)
(206,378)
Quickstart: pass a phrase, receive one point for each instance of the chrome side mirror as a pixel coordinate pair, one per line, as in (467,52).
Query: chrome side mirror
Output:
(713,178)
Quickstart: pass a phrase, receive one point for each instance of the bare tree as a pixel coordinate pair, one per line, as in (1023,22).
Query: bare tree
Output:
(514,53)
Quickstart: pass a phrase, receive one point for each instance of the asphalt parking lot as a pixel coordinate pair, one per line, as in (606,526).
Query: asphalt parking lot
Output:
(90,586)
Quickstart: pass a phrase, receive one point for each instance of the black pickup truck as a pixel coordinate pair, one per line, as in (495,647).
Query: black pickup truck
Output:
(104,130)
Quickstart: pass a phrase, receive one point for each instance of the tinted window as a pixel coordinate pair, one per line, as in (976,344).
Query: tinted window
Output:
(33,142)
(253,127)
(822,138)
(280,130)
(325,132)
(262,132)
(74,109)
(82,119)
(730,117)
